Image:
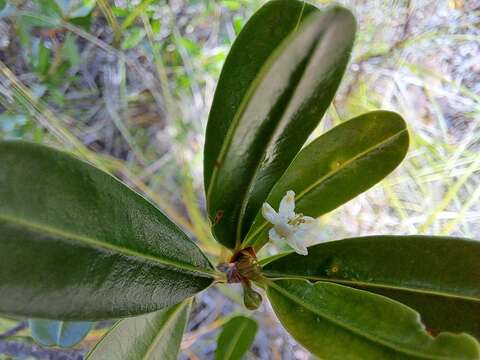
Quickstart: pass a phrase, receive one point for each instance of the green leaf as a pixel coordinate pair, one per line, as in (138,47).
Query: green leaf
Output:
(338,322)
(76,8)
(278,80)
(155,336)
(50,8)
(133,38)
(41,57)
(76,244)
(70,50)
(263,32)
(59,333)
(236,338)
(138,10)
(337,166)
(3,4)
(232,5)
(438,277)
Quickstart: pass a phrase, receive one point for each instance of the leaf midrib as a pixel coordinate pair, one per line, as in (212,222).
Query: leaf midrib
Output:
(329,175)
(234,125)
(277,276)
(243,107)
(91,354)
(66,236)
(59,332)
(371,338)
(251,184)
(231,347)
(173,316)
(361,154)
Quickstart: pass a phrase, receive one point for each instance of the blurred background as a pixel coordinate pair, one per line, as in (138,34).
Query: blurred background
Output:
(127,85)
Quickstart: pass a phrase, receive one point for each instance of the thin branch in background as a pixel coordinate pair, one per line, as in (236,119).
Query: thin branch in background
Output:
(42,113)
(14,330)
(21,350)
(170,103)
(116,103)
(112,21)
(139,10)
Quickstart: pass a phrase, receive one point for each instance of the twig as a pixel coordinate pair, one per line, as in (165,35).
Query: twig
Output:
(19,327)
(30,350)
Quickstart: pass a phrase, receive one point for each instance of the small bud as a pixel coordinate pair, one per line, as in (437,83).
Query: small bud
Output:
(251,298)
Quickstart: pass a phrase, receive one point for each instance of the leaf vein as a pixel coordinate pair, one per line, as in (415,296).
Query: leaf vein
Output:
(329,175)
(354,330)
(106,246)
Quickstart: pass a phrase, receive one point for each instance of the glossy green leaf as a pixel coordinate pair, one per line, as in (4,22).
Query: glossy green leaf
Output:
(338,322)
(236,338)
(438,277)
(337,166)
(59,333)
(76,244)
(263,32)
(250,146)
(155,336)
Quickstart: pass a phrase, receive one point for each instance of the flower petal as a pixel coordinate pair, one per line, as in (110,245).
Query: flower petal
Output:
(307,224)
(269,214)
(309,219)
(296,243)
(285,230)
(273,235)
(287,205)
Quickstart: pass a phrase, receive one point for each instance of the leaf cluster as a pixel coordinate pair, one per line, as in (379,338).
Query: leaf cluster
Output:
(77,245)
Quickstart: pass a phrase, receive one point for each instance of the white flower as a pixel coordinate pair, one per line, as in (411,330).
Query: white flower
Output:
(287,225)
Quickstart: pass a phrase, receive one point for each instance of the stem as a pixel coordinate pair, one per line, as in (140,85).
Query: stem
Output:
(17,328)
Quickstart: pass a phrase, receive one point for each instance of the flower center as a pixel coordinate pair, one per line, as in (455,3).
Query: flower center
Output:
(297,220)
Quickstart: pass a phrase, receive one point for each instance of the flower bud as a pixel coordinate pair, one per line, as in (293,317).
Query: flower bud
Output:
(251,298)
